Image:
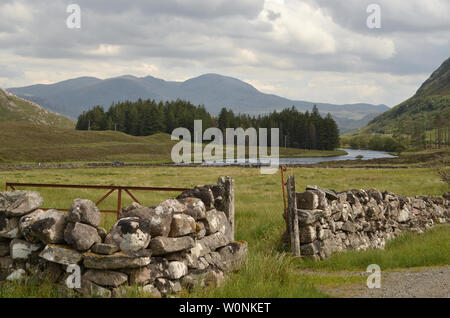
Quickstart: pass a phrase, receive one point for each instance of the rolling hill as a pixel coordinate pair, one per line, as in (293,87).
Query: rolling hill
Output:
(15,109)
(74,96)
(28,142)
(432,98)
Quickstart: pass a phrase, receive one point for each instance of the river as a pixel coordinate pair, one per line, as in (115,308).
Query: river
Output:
(352,154)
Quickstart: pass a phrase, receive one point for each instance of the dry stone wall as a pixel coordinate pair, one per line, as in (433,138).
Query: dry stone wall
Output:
(178,244)
(330,222)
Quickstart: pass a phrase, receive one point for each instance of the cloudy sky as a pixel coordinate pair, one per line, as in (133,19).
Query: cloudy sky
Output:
(315,50)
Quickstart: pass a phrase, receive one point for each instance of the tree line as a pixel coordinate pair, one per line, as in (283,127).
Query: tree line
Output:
(307,130)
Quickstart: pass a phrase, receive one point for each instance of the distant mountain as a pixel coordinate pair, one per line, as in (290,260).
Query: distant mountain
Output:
(15,109)
(74,96)
(432,98)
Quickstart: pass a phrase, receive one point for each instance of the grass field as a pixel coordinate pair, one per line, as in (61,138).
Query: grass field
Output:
(270,271)
(22,142)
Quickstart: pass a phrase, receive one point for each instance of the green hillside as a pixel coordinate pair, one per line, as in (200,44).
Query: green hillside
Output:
(27,142)
(23,142)
(431,99)
(15,109)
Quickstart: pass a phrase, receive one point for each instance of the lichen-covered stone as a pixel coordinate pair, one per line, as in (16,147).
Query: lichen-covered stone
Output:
(177,270)
(22,250)
(17,203)
(307,234)
(216,221)
(158,268)
(117,260)
(130,234)
(182,225)
(61,254)
(214,241)
(307,200)
(17,275)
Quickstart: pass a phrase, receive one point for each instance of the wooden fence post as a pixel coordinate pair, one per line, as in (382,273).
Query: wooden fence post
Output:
(293,217)
(228,184)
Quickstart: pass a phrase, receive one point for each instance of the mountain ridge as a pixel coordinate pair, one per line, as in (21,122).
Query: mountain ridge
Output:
(72,97)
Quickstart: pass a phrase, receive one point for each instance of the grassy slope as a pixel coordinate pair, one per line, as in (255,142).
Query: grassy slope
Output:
(270,271)
(25,142)
(432,98)
(14,109)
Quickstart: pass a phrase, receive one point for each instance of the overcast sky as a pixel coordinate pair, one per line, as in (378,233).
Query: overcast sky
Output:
(315,50)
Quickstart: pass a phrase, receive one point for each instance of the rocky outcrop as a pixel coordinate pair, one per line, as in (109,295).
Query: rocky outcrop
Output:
(330,222)
(179,243)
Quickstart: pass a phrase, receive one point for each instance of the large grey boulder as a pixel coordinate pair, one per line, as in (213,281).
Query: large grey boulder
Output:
(9,227)
(105,278)
(166,245)
(81,236)
(130,234)
(118,260)
(17,203)
(182,225)
(22,250)
(61,254)
(84,211)
(194,207)
(45,226)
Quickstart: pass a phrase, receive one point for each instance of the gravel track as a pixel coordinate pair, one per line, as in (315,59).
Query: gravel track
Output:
(432,282)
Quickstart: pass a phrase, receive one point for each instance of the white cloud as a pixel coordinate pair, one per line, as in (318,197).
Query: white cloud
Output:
(316,50)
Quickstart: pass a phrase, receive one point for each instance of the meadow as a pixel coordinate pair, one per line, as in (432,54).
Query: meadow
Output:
(271,271)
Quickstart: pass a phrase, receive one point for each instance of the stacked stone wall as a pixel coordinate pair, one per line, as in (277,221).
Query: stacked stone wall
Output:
(330,222)
(181,243)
